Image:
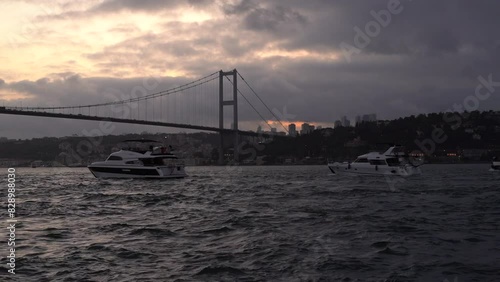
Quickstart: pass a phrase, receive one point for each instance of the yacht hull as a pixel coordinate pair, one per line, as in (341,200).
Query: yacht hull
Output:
(495,166)
(137,172)
(366,169)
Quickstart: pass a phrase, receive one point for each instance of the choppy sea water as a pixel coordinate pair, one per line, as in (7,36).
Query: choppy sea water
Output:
(293,223)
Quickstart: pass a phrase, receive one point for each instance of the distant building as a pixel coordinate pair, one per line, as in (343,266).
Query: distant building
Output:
(259,129)
(345,122)
(273,130)
(292,130)
(358,120)
(319,127)
(337,123)
(306,128)
(369,117)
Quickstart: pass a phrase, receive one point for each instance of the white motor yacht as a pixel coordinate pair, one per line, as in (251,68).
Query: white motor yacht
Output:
(394,161)
(148,159)
(495,165)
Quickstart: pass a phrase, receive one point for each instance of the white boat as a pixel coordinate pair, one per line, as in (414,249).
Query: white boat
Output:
(495,165)
(138,162)
(394,161)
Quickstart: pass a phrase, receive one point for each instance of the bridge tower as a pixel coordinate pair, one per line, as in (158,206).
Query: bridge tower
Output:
(234,104)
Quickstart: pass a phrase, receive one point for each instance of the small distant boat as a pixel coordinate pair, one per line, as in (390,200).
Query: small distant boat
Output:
(137,162)
(394,161)
(495,165)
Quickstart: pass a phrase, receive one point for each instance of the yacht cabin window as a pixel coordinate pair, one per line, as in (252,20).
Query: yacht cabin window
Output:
(392,161)
(114,158)
(377,162)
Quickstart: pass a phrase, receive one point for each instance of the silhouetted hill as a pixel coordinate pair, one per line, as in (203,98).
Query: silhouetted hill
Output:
(465,136)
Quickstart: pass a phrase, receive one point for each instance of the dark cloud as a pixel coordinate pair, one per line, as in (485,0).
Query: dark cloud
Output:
(271,19)
(424,28)
(239,7)
(236,47)
(155,53)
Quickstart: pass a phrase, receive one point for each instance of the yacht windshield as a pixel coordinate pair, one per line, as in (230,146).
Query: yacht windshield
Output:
(392,161)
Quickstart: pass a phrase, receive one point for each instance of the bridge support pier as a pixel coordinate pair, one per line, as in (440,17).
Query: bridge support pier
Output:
(234,104)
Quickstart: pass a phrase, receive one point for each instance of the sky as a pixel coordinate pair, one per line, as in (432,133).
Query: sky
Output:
(311,61)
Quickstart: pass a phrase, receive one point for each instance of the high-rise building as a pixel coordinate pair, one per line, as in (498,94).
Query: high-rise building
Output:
(292,129)
(366,118)
(306,128)
(370,117)
(259,129)
(358,120)
(337,123)
(345,122)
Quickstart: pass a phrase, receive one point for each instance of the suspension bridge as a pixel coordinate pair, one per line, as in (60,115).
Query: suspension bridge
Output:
(209,103)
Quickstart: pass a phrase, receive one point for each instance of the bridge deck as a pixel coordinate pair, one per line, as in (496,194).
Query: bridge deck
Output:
(4,110)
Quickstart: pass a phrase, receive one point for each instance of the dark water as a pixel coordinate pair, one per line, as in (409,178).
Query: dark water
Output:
(258,224)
